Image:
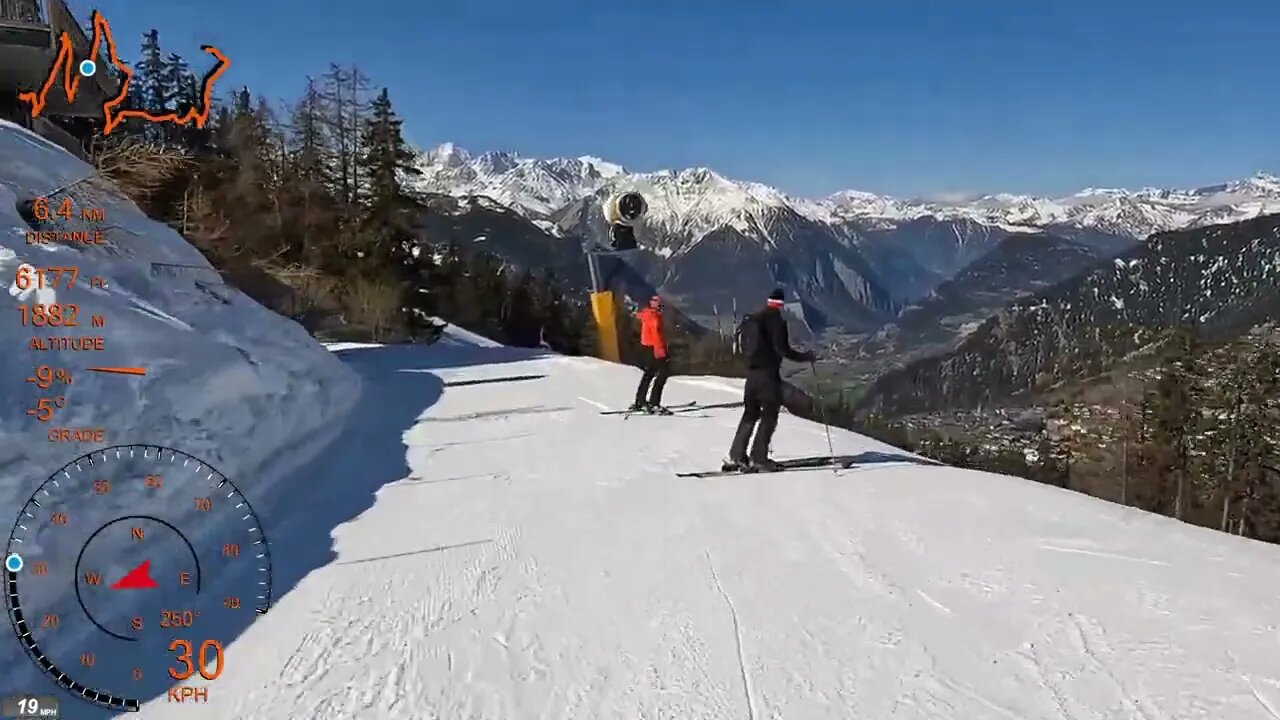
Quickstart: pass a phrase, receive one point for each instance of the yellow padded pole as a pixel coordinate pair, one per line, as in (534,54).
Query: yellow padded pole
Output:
(605,312)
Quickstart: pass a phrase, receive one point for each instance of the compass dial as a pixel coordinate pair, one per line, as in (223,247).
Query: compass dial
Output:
(129,570)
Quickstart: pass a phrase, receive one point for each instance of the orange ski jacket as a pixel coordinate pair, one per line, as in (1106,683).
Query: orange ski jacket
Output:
(651,332)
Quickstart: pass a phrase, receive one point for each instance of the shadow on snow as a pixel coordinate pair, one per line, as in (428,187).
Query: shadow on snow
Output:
(873,457)
(869,457)
(336,485)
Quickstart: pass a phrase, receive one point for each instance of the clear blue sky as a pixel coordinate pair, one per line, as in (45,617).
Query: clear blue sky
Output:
(908,97)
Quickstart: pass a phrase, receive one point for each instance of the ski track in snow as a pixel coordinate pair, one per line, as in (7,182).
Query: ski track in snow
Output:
(1262,700)
(548,564)
(752,713)
(1096,553)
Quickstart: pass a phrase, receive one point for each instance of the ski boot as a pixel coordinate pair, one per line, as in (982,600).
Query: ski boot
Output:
(656,409)
(764,465)
(736,465)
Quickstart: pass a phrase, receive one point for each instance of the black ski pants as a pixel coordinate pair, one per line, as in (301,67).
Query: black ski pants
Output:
(656,372)
(761,403)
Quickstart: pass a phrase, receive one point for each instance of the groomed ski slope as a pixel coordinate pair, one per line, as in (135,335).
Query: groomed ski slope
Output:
(543,561)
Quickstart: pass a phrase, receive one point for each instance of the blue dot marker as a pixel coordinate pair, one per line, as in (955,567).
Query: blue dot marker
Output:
(13,563)
(88,68)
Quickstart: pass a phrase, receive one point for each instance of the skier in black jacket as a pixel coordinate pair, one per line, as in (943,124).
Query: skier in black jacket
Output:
(765,343)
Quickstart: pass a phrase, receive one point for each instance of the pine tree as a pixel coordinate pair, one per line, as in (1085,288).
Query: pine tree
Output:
(134,100)
(521,324)
(1176,418)
(490,289)
(311,154)
(173,76)
(425,284)
(241,102)
(462,296)
(190,97)
(559,324)
(390,222)
(149,75)
(1259,431)
(310,177)
(386,157)
(178,87)
(247,177)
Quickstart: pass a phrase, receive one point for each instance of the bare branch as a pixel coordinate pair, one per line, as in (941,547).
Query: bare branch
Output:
(134,167)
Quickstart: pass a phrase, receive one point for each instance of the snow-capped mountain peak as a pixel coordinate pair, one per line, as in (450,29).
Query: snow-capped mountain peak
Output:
(496,162)
(687,204)
(603,167)
(534,186)
(1260,183)
(446,155)
(1132,213)
(700,197)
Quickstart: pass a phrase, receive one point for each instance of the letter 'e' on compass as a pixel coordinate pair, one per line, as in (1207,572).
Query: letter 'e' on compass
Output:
(128,573)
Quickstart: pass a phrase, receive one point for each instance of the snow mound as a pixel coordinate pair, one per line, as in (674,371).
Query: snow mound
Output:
(512,553)
(226,381)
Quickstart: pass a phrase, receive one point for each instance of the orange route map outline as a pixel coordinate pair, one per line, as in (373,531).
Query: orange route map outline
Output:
(112,115)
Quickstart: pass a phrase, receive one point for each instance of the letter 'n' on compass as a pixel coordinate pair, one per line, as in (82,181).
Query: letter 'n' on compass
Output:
(128,573)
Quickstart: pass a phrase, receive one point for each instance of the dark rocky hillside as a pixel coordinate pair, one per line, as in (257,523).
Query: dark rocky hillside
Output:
(1222,279)
(731,265)
(480,224)
(1020,265)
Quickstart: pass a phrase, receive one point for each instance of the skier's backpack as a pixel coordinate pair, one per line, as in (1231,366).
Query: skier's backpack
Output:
(746,338)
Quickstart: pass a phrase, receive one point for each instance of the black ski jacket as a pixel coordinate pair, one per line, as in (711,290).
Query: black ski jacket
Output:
(774,343)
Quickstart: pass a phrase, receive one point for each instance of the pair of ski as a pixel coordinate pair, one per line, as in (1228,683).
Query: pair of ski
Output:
(825,462)
(682,407)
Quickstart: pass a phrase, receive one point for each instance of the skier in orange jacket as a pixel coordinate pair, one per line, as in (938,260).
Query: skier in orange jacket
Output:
(656,367)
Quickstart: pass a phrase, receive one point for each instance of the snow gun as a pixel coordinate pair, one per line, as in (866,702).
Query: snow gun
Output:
(622,211)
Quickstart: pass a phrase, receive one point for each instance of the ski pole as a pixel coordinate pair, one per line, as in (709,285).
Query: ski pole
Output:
(822,412)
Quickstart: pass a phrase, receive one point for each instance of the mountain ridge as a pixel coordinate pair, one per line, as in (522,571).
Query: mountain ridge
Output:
(1222,280)
(853,259)
(1020,265)
(536,185)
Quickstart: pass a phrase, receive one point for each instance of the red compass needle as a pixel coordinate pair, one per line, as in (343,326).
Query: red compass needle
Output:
(138,578)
